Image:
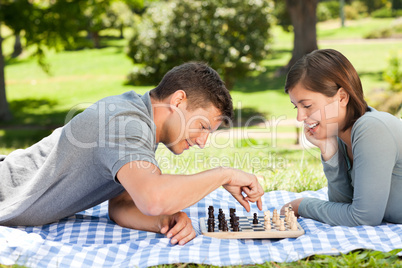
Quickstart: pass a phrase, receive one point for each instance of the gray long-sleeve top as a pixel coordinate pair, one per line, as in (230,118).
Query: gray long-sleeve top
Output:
(369,191)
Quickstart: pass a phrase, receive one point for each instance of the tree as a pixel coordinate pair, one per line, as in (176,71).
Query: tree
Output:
(303,18)
(230,35)
(47,24)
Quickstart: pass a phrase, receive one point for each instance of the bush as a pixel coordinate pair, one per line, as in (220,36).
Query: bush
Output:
(355,11)
(393,73)
(384,12)
(232,36)
(379,33)
(328,10)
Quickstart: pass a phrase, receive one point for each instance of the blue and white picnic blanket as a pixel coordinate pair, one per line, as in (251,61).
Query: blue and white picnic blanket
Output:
(89,239)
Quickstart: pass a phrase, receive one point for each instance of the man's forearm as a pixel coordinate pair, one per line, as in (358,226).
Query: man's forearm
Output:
(164,194)
(124,212)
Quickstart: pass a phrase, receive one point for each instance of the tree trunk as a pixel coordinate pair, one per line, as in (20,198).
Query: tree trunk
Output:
(5,114)
(17,45)
(304,18)
(122,31)
(95,39)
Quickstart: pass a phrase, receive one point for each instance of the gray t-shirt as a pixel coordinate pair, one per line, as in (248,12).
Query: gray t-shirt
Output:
(369,191)
(75,167)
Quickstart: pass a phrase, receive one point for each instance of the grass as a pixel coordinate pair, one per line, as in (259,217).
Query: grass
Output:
(40,102)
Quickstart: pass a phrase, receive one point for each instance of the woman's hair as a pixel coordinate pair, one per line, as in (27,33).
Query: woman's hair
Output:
(202,85)
(326,71)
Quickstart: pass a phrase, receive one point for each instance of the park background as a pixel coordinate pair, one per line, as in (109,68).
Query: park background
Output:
(59,57)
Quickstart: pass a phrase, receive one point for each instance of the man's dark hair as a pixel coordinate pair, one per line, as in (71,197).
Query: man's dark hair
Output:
(203,87)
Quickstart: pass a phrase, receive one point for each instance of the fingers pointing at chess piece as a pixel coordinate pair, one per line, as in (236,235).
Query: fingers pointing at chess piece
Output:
(240,182)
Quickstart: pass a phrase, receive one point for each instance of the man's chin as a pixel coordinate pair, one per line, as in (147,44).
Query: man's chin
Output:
(175,150)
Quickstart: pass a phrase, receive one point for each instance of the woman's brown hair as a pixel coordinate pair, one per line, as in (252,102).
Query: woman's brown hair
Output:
(326,71)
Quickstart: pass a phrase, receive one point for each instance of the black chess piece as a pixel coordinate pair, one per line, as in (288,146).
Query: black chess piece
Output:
(255,219)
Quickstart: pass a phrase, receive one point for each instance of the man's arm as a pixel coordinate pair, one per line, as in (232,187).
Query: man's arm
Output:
(123,211)
(164,194)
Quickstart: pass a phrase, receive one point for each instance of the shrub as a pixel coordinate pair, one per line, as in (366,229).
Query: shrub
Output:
(355,10)
(393,73)
(232,36)
(384,12)
(328,10)
(379,33)
(390,100)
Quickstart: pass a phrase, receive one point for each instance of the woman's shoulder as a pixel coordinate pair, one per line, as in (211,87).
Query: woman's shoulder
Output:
(377,121)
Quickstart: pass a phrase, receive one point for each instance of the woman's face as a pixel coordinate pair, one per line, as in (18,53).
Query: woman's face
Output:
(323,116)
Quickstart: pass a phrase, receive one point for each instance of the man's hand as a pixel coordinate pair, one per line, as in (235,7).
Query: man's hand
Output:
(242,182)
(295,206)
(178,227)
(125,213)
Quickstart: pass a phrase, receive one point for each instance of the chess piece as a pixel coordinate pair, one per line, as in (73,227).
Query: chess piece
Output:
(282,225)
(267,225)
(255,219)
(293,225)
(267,213)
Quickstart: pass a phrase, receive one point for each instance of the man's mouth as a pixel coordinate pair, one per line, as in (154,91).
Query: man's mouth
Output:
(189,145)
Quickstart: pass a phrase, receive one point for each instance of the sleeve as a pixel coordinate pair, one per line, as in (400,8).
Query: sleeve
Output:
(125,139)
(340,187)
(374,156)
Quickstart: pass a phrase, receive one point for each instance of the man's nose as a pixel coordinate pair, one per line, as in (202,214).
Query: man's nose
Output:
(202,139)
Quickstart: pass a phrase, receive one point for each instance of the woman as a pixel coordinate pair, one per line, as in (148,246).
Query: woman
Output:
(361,148)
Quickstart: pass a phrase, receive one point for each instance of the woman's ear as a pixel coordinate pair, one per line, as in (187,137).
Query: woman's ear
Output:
(343,97)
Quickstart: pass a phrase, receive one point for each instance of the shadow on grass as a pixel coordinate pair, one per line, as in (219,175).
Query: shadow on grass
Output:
(33,119)
(261,82)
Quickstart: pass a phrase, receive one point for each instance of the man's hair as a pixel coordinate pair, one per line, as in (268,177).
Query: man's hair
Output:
(326,71)
(202,85)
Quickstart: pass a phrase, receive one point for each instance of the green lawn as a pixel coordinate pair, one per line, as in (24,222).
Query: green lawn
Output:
(78,78)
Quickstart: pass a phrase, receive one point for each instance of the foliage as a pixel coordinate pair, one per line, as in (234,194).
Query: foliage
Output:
(355,10)
(373,5)
(393,74)
(390,100)
(384,12)
(282,15)
(393,30)
(328,10)
(230,35)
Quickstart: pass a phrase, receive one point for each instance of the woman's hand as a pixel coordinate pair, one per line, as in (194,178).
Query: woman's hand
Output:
(328,146)
(178,227)
(295,206)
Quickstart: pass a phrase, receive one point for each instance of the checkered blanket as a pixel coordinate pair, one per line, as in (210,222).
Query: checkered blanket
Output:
(89,239)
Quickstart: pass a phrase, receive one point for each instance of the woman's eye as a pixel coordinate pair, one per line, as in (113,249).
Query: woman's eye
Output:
(307,106)
(295,107)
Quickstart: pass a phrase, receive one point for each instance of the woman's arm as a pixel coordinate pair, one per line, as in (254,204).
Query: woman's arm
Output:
(374,154)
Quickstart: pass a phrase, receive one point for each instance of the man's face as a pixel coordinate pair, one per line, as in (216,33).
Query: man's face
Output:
(188,127)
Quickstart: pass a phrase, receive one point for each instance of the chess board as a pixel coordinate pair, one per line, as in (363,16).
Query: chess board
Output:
(248,230)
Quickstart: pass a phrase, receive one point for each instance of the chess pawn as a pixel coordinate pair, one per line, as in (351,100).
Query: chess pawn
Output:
(275,212)
(293,225)
(267,214)
(267,225)
(282,225)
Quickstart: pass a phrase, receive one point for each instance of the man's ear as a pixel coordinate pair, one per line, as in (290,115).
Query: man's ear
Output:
(343,97)
(178,97)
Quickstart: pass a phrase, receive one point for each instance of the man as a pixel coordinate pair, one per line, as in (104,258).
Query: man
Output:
(107,152)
